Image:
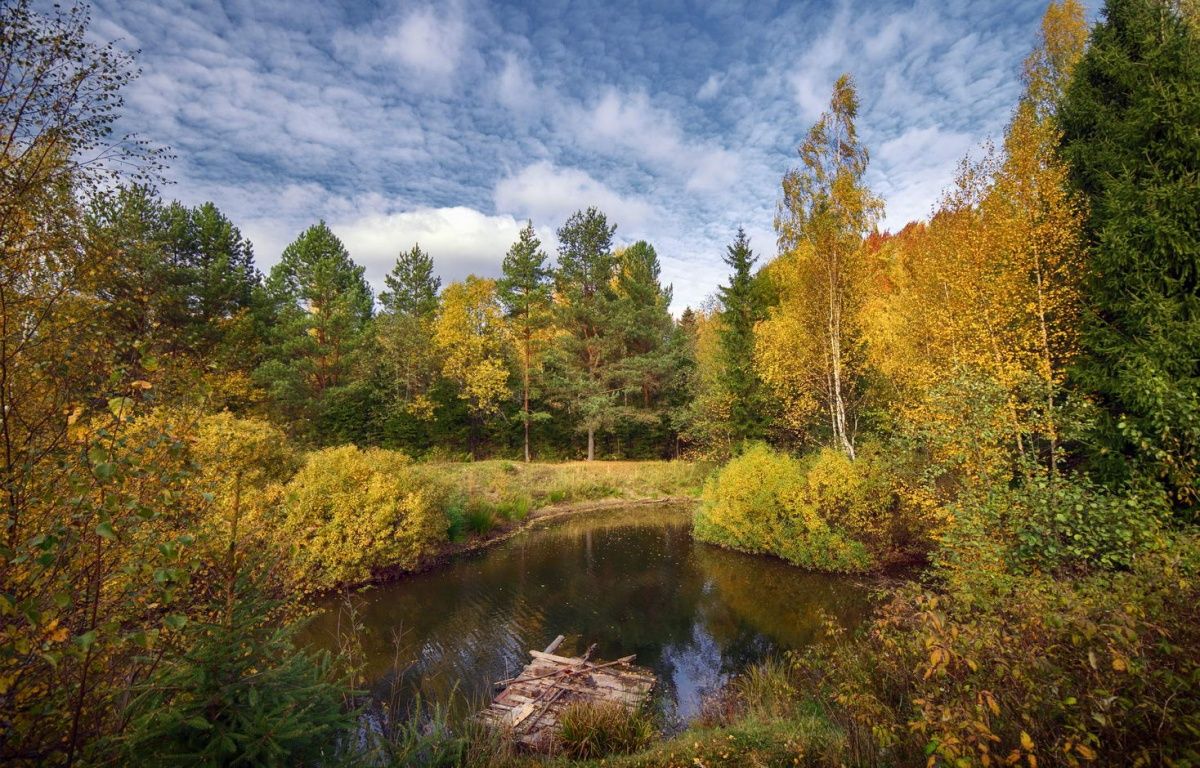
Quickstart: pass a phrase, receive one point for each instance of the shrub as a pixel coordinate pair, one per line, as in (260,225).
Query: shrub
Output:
(1028,669)
(240,694)
(765,501)
(590,730)
(351,512)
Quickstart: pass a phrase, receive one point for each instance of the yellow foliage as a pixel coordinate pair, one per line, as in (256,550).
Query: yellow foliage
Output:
(349,513)
(471,335)
(765,502)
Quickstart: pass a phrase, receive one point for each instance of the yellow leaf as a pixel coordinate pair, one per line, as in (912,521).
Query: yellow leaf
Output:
(1026,742)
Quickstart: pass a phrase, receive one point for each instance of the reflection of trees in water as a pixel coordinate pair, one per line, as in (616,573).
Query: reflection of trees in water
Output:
(631,582)
(786,606)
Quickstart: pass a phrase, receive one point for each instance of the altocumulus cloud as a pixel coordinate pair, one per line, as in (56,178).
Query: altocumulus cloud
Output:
(450,123)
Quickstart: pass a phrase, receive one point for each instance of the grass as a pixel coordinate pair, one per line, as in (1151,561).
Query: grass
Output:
(511,490)
(589,730)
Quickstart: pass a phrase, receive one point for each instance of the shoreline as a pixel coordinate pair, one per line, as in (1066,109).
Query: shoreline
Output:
(501,534)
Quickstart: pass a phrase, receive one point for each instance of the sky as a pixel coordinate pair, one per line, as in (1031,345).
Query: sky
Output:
(450,124)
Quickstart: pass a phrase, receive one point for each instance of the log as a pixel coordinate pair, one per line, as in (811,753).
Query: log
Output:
(554,644)
(575,669)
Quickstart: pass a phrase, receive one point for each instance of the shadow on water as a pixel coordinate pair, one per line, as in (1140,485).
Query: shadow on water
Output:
(631,582)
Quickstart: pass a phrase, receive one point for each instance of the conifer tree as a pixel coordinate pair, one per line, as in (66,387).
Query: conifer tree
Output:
(589,349)
(741,308)
(323,304)
(1130,136)
(407,363)
(524,290)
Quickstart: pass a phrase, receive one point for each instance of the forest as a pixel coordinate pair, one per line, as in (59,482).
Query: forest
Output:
(994,412)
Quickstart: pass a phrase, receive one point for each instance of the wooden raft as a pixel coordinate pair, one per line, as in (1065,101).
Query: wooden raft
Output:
(530,703)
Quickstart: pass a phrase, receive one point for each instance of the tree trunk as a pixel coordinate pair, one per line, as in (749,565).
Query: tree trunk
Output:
(591,443)
(525,397)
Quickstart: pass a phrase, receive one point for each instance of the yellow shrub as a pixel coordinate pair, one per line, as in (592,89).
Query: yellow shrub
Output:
(805,512)
(349,513)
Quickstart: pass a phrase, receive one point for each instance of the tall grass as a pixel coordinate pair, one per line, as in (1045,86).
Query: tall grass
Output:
(590,730)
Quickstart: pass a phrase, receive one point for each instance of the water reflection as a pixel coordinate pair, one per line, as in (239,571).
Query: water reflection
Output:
(631,582)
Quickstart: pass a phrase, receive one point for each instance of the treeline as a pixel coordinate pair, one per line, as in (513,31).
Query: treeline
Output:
(538,362)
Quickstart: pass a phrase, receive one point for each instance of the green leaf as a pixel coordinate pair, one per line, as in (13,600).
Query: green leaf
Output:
(106,531)
(175,621)
(120,407)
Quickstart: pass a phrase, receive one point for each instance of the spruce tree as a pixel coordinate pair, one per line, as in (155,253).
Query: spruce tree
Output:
(412,288)
(1129,122)
(741,308)
(524,290)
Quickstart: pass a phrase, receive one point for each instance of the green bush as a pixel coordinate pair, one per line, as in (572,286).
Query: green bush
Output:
(765,501)
(349,513)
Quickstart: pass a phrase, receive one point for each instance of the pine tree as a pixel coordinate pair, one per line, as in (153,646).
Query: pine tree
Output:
(407,364)
(323,304)
(524,290)
(589,349)
(643,318)
(1130,136)
(741,308)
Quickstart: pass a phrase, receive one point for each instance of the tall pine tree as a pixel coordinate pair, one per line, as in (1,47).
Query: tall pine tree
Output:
(1129,122)
(589,350)
(524,290)
(323,304)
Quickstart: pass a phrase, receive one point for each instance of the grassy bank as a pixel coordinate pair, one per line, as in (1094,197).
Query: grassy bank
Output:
(492,494)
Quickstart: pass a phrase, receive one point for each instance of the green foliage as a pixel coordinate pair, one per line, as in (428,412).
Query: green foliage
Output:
(412,288)
(1064,523)
(1128,121)
(742,305)
(322,304)
(240,694)
(589,730)
(349,513)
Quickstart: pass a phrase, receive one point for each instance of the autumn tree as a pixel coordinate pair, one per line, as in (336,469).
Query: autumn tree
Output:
(525,292)
(471,337)
(1129,122)
(323,304)
(808,349)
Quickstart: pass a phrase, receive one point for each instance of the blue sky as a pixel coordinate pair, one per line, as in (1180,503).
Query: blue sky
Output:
(451,123)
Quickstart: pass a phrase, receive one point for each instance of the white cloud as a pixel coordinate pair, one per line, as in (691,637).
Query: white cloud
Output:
(549,194)
(427,42)
(711,87)
(461,240)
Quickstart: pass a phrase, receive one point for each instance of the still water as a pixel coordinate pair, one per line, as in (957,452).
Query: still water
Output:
(631,581)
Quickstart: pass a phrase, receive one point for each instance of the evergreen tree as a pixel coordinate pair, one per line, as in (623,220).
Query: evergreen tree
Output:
(407,363)
(322,305)
(412,288)
(524,290)
(586,358)
(741,307)
(1129,122)
(644,320)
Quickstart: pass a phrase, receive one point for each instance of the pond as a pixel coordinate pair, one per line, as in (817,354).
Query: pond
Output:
(631,581)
